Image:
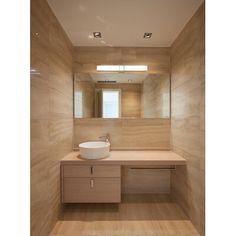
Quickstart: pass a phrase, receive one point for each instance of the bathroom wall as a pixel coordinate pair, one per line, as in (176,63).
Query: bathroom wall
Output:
(187,118)
(84,95)
(125,133)
(145,181)
(156,96)
(51,114)
(130,98)
(157,59)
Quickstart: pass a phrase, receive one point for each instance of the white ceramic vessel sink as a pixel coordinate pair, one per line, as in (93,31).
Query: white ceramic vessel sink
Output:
(94,149)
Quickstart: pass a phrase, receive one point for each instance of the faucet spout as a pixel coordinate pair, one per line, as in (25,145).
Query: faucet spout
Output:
(106,138)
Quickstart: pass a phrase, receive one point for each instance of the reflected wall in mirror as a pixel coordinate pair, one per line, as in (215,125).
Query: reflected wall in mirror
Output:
(121,95)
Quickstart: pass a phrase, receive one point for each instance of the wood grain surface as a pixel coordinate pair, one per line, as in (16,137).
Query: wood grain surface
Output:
(136,215)
(128,157)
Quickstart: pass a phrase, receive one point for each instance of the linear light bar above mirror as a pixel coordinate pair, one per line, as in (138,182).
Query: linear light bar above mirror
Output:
(121,68)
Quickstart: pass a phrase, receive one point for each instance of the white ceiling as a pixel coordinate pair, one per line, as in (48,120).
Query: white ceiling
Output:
(123,22)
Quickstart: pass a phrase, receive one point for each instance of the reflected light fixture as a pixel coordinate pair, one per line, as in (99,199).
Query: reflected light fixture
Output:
(147,35)
(121,68)
(97,34)
(34,72)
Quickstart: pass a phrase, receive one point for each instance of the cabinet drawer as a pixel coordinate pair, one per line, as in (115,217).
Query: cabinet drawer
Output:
(76,171)
(91,171)
(91,190)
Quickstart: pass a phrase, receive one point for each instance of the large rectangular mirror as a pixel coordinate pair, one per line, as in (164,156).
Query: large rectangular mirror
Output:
(121,95)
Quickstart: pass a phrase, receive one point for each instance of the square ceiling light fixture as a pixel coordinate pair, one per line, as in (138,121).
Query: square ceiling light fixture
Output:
(122,68)
(147,35)
(97,34)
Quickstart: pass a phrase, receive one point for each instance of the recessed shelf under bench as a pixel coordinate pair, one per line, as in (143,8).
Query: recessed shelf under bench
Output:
(100,180)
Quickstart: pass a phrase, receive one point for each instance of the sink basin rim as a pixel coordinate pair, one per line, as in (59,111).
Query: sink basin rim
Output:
(96,144)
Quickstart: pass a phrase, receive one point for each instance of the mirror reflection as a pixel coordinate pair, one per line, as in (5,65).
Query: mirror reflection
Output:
(121,95)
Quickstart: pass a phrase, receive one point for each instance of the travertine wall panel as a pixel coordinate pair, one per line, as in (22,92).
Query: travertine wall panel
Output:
(51,114)
(187,118)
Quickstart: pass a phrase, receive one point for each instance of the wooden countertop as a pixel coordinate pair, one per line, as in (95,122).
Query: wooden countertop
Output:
(129,158)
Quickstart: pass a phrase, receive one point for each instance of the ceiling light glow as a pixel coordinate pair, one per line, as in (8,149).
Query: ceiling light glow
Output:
(121,68)
(135,68)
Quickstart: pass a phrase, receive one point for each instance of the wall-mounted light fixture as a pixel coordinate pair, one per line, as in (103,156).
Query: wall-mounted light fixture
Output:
(121,68)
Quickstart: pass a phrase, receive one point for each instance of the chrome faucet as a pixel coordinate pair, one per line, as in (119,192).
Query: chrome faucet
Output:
(107,137)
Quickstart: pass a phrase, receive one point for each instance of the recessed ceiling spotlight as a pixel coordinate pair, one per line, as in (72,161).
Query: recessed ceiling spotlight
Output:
(36,34)
(147,35)
(97,34)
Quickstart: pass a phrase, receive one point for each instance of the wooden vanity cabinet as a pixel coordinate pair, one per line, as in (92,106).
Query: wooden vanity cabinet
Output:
(90,183)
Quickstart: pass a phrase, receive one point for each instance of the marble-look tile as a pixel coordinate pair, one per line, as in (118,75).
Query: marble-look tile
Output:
(51,114)
(187,118)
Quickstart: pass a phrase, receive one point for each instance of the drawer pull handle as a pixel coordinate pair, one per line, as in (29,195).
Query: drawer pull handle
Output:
(91,170)
(91,183)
